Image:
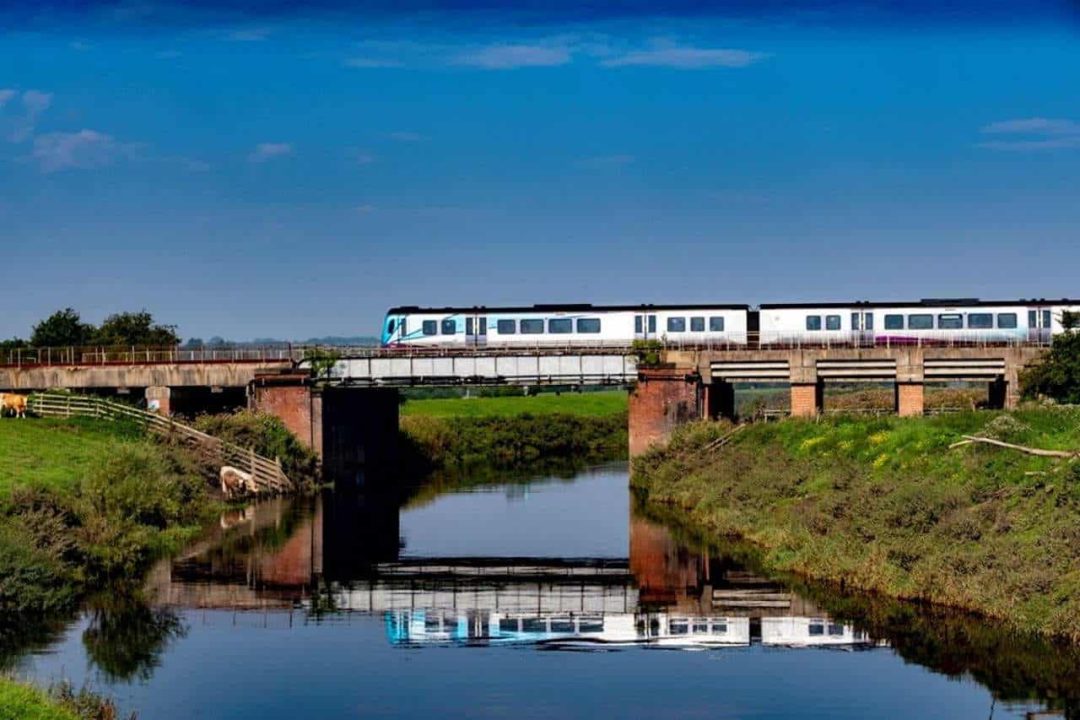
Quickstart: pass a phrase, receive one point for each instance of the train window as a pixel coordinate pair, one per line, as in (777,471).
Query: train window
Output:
(506,327)
(560,326)
(813,322)
(920,322)
(951,321)
(697,324)
(854,321)
(429,327)
(593,625)
(449,327)
(701,626)
(1046,318)
(817,627)
(676,324)
(638,325)
(1032,319)
(390,326)
(532,327)
(868,321)
(716,324)
(832,322)
(836,630)
(981,321)
(468,326)
(508,625)
(483,326)
(1006,321)
(894,322)
(588,325)
(679,627)
(652,323)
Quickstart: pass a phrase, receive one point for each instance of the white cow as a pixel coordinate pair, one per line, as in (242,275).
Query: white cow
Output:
(236,482)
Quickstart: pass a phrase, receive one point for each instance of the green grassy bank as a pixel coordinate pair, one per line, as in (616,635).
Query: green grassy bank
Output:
(886,505)
(21,701)
(545,431)
(84,502)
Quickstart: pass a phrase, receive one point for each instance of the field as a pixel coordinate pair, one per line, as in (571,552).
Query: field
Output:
(888,505)
(594,404)
(52,453)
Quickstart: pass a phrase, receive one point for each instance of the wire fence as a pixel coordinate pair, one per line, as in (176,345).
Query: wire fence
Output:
(267,474)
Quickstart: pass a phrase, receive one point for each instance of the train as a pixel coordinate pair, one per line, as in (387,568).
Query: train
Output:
(863,323)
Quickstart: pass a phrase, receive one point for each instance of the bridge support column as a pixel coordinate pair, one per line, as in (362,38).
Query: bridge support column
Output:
(807,400)
(910,398)
(159,399)
(719,400)
(289,397)
(663,399)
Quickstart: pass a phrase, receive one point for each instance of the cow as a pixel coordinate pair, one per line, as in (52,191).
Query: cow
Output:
(235,483)
(14,403)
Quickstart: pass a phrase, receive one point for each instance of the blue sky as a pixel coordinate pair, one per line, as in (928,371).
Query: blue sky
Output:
(246,170)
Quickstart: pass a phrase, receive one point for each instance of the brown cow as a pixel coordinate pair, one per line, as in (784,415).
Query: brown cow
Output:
(14,403)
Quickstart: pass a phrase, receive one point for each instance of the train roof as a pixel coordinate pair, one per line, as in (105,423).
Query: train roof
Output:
(924,303)
(579,307)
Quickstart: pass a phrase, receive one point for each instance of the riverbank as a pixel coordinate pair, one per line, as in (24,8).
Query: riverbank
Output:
(886,505)
(84,502)
(21,701)
(500,433)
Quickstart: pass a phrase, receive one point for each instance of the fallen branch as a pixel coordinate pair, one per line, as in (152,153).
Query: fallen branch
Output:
(968,439)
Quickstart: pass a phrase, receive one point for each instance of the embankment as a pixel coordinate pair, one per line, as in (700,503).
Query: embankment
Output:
(506,433)
(886,505)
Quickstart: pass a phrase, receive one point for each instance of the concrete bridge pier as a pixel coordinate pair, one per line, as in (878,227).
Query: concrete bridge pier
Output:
(159,399)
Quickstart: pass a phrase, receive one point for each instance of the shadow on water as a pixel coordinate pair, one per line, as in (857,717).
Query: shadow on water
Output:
(343,553)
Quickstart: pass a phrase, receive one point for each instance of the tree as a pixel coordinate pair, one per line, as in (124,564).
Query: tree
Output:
(63,328)
(194,344)
(1057,375)
(135,329)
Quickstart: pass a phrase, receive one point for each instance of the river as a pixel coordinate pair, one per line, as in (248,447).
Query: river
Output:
(545,598)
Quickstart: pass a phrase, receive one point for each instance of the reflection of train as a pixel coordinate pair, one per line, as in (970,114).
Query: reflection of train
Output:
(811,632)
(862,323)
(648,629)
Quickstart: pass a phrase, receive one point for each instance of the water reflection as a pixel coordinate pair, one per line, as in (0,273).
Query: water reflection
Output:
(343,556)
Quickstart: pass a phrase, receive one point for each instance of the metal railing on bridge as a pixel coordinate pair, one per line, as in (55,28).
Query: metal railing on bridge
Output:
(267,474)
(135,355)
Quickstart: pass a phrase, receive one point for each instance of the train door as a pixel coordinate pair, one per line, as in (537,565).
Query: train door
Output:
(476,330)
(644,326)
(1040,321)
(862,328)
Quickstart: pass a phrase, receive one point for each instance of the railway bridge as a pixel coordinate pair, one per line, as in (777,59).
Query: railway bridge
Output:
(349,412)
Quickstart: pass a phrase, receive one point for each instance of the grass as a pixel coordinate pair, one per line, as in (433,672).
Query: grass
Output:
(19,701)
(884,504)
(52,453)
(595,404)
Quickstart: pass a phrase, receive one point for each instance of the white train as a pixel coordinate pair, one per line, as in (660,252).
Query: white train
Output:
(929,321)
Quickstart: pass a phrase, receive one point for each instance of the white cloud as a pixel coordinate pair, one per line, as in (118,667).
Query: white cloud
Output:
(685,58)
(1035,133)
(1034,126)
(407,136)
(601,161)
(69,150)
(507,57)
(370,62)
(34,103)
(268,151)
(255,34)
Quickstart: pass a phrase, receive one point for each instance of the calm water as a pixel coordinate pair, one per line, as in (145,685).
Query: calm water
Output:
(551,598)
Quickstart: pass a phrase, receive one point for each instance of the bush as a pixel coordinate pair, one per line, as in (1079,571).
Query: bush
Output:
(266,435)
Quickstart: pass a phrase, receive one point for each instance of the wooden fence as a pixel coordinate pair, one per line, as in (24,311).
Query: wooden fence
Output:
(267,474)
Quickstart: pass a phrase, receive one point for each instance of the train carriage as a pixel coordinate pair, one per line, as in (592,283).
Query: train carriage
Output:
(564,325)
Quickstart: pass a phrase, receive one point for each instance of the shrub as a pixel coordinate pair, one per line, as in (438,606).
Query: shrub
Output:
(266,435)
